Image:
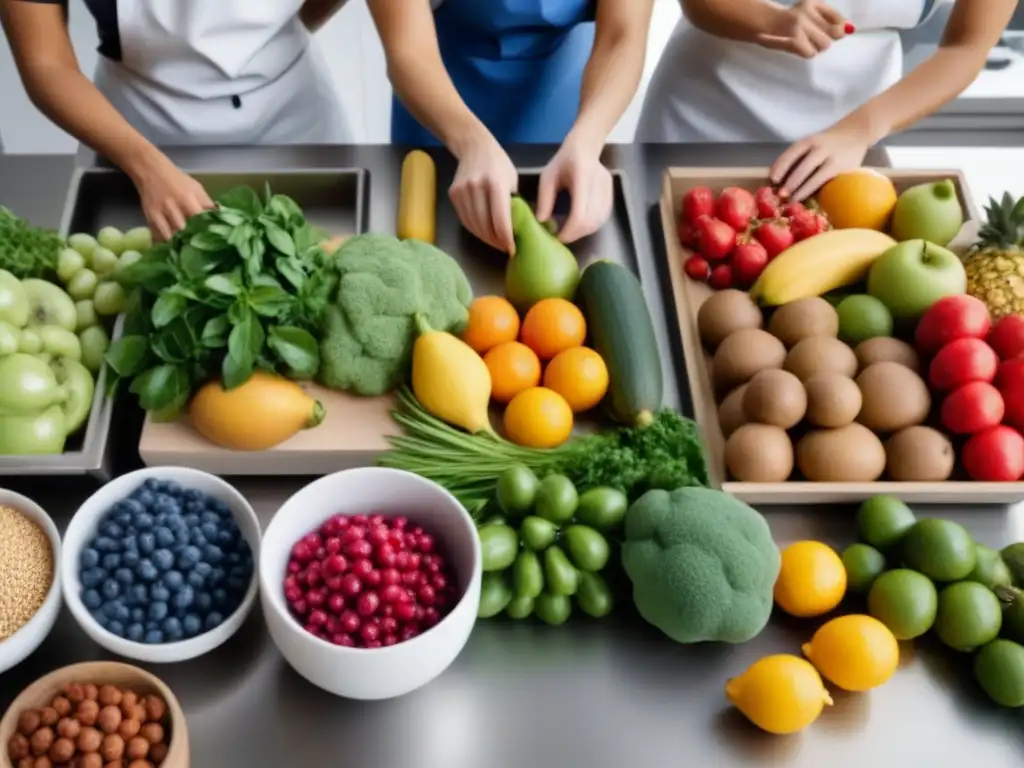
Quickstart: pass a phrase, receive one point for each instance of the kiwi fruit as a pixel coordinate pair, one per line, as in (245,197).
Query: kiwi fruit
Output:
(919,454)
(894,397)
(759,453)
(883,349)
(744,353)
(801,319)
(819,354)
(730,413)
(775,397)
(833,400)
(850,454)
(724,313)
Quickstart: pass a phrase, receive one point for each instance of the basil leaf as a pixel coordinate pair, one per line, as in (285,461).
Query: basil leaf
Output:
(269,301)
(193,262)
(291,272)
(279,239)
(169,347)
(288,207)
(127,356)
(172,410)
(228,283)
(152,275)
(208,241)
(215,332)
(230,218)
(167,307)
(297,349)
(242,199)
(244,344)
(136,318)
(160,386)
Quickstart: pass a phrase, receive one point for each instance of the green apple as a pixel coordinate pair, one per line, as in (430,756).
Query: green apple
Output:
(911,276)
(929,212)
(48,304)
(14,304)
(9,336)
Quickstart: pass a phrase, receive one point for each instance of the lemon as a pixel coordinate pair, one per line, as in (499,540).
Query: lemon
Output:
(779,694)
(855,652)
(812,580)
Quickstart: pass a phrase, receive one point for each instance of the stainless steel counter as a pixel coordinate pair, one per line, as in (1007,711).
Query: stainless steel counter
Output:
(612,693)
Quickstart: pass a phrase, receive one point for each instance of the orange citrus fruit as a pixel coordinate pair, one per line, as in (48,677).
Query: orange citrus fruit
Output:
(551,326)
(513,368)
(538,418)
(579,375)
(492,321)
(862,198)
(811,581)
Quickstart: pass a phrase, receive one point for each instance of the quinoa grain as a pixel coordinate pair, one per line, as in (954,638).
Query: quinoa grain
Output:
(26,570)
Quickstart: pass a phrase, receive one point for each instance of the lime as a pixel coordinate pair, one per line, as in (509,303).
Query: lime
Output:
(1013,556)
(517,490)
(999,670)
(883,521)
(527,574)
(1013,612)
(593,595)
(602,508)
(537,533)
(560,577)
(940,549)
(969,616)
(863,317)
(990,569)
(863,564)
(905,601)
(557,499)
(588,549)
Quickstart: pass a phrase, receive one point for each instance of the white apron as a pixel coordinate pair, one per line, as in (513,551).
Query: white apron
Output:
(221,72)
(707,89)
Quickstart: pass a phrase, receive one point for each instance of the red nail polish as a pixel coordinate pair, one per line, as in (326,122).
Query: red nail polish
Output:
(849,29)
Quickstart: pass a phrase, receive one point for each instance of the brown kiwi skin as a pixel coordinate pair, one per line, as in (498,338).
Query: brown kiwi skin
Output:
(742,355)
(833,400)
(894,396)
(850,454)
(804,318)
(919,454)
(817,354)
(775,397)
(884,349)
(724,313)
(759,453)
(730,412)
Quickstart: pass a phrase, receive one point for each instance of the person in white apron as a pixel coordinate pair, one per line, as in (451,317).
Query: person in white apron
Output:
(180,72)
(827,78)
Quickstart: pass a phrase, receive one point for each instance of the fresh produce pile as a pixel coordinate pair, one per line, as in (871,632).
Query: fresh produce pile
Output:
(26,570)
(840,387)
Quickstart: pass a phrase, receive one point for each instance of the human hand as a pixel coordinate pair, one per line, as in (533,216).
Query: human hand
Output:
(482,190)
(806,29)
(577,169)
(169,196)
(811,161)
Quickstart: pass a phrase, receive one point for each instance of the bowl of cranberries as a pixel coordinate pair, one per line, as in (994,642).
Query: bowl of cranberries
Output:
(370,581)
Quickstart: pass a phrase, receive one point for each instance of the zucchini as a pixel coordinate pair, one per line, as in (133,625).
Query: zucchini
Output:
(622,332)
(417,198)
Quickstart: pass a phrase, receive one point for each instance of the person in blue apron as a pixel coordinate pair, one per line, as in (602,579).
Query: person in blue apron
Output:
(829,79)
(179,72)
(476,75)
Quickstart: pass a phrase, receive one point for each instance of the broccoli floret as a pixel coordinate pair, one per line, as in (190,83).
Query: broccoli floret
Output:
(368,329)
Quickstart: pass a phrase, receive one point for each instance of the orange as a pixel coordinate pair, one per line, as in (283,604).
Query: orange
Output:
(862,198)
(513,367)
(580,376)
(538,418)
(811,581)
(551,326)
(492,321)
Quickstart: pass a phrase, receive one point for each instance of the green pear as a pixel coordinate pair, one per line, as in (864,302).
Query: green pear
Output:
(929,212)
(543,267)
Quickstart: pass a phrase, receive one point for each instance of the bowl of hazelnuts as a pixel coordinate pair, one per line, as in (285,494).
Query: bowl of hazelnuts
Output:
(95,715)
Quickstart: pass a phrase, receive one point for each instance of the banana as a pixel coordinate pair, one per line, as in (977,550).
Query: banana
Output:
(820,264)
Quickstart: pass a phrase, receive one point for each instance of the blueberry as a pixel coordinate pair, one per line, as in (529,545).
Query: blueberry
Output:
(90,558)
(218,506)
(189,557)
(147,542)
(173,629)
(93,577)
(110,609)
(238,583)
(105,544)
(146,570)
(204,602)
(113,529)
(138,615)
(192,625)
(213,620)
(173,580)
(196,580)
(110,589)
(220,596)
(135,632)
(157,610)
(111,561)
(191,519)
(130,558)
(116,627)
(164,537)
(136,504)
(151,484)
(181,537)
(217,576)
(154,637)
(130,543)
(191,494)
(124,576)
(123,613)
(144,521)
(91,599)
(227,540)
(234,558)
(140,594)
(196,537)
(163,559)
(184,597)
(160,593)
(213,554)
(173,489)
(210,531)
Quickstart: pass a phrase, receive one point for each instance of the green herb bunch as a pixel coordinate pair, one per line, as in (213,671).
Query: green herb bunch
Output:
(27,251)
(242,287)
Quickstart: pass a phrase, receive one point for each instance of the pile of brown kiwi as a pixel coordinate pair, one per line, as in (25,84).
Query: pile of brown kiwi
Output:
(793,395)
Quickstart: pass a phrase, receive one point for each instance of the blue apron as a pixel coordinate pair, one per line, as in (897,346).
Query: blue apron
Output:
(517,64)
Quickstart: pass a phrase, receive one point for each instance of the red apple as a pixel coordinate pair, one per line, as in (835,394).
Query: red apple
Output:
(995,455)
(1010,381)
(949,319)
(962,361)
(972,408)
(1007,337)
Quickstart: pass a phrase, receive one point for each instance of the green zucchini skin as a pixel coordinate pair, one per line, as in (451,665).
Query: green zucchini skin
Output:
(622,332)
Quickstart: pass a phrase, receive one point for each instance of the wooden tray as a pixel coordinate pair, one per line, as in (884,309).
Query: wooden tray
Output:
(690,294)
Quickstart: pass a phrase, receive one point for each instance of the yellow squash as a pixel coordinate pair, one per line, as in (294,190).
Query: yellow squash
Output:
(450,380)
(417,198)
(820,264)
(255,416)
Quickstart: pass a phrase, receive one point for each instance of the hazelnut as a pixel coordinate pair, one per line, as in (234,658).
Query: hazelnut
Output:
(74,692)
(138,748)
(110,694)
(128,728)
(140,764)
(109,718)
(92,692)
(29,722)
(91,761)
(43,762)
(48,716)
(158,753)
(152,732)
(62,750)
(18,746)
(129,699)
(61,706)
(155,708)
(139,712)
(89,740)
(27,762)
(112,747)
(87,712)
(41,741)
(68,728)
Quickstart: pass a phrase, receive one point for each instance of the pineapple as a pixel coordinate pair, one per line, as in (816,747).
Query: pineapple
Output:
(995,263)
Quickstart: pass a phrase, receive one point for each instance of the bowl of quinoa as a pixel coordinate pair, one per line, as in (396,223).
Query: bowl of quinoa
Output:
(30,592)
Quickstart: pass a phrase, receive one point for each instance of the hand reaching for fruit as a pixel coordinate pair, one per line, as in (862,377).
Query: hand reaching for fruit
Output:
(808,163)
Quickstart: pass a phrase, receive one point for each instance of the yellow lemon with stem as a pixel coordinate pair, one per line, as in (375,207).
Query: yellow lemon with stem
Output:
(779,694)
(855,652)
(811,581)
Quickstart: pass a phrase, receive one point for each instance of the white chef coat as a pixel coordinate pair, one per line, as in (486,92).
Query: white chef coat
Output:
(221,72)
(708,89)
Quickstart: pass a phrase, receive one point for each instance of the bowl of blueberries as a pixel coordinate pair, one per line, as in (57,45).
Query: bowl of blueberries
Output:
(159,565)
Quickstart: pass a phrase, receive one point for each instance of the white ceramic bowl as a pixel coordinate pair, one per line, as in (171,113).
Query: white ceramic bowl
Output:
(18,646)
(380,673)
(83,526)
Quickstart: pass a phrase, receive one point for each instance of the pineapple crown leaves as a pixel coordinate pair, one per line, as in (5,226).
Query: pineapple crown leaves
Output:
(1004,224)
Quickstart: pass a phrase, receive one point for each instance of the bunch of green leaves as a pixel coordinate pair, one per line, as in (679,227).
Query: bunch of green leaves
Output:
(241,287)
(25,250)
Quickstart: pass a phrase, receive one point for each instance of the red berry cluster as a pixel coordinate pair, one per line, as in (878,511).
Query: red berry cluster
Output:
(368,581)
(733,236)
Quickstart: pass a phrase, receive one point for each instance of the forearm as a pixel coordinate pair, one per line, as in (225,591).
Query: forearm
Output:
(315,13)
(741,20)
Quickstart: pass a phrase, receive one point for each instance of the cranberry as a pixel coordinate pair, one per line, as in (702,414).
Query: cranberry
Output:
(333,545)
(336,604)
(350,621)
(425,543)
(396,541)
(362,567)
(390,576)
(378,535)
(293,595)
(389,625)
(333,583)
(317,618)
(300,607)
(361,548)
(312,541)
(412,578)
(409,631)
(360,519)
(399,523)
(302,552)
(374,644)
(368,603)
(351,585)
(370,631)
(316,598)
(405,611)
(393,593)
(373,578)
(402,560)
(389,639)
(352,534)
(439,582)
(431,616)
(294,566)
(343,639)
(312,577)
(387,556)
(426,595)
(387,610)
(377,519)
